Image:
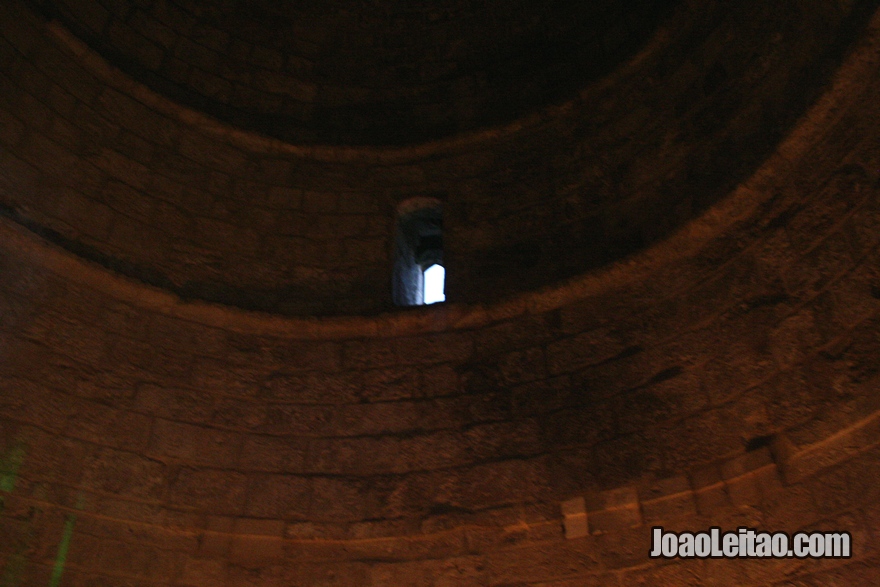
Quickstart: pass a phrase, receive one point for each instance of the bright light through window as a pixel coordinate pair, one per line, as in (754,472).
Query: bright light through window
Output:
(435,277)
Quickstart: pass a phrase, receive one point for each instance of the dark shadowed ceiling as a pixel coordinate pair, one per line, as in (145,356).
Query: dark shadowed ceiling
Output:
(381,72)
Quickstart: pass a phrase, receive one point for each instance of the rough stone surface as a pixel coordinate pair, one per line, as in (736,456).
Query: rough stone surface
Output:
(726,375)
(129,178)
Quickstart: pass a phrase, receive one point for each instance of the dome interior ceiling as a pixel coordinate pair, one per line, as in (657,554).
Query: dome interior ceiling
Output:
(201,209)
(360,72)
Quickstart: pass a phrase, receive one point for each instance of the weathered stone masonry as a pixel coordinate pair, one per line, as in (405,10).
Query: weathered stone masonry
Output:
(664,299)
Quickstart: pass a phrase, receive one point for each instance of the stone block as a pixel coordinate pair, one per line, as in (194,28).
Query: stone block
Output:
(576,526)
(195,444)
(744,490)
(255,552)
(210,490)
(709,490)
(278,496)
(575,518)
(746,463)
(613,510)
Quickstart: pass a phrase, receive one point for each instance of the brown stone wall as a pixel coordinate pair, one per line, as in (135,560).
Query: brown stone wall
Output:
(197,447)
(122,176)
(725,376)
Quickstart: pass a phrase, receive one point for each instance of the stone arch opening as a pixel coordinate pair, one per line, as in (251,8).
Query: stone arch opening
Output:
(418,247)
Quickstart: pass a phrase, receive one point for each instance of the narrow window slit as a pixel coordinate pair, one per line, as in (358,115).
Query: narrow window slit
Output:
(419,273)
(435,277)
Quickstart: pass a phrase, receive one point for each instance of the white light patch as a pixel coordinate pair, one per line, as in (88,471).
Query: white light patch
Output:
(435,278)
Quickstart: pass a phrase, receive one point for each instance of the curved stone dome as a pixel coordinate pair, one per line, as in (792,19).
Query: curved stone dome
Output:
(148,187)
(663,300)
(363,72)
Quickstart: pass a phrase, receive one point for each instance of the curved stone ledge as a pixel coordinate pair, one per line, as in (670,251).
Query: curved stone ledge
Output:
(260,143)
(739,207)
(274,245)
(740,482)
(191,549)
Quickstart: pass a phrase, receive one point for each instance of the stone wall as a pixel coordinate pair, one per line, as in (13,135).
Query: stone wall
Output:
(724,376)
(126,178)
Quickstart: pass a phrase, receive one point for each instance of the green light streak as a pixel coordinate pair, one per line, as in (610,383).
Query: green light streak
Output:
(61,559)
(16,564)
